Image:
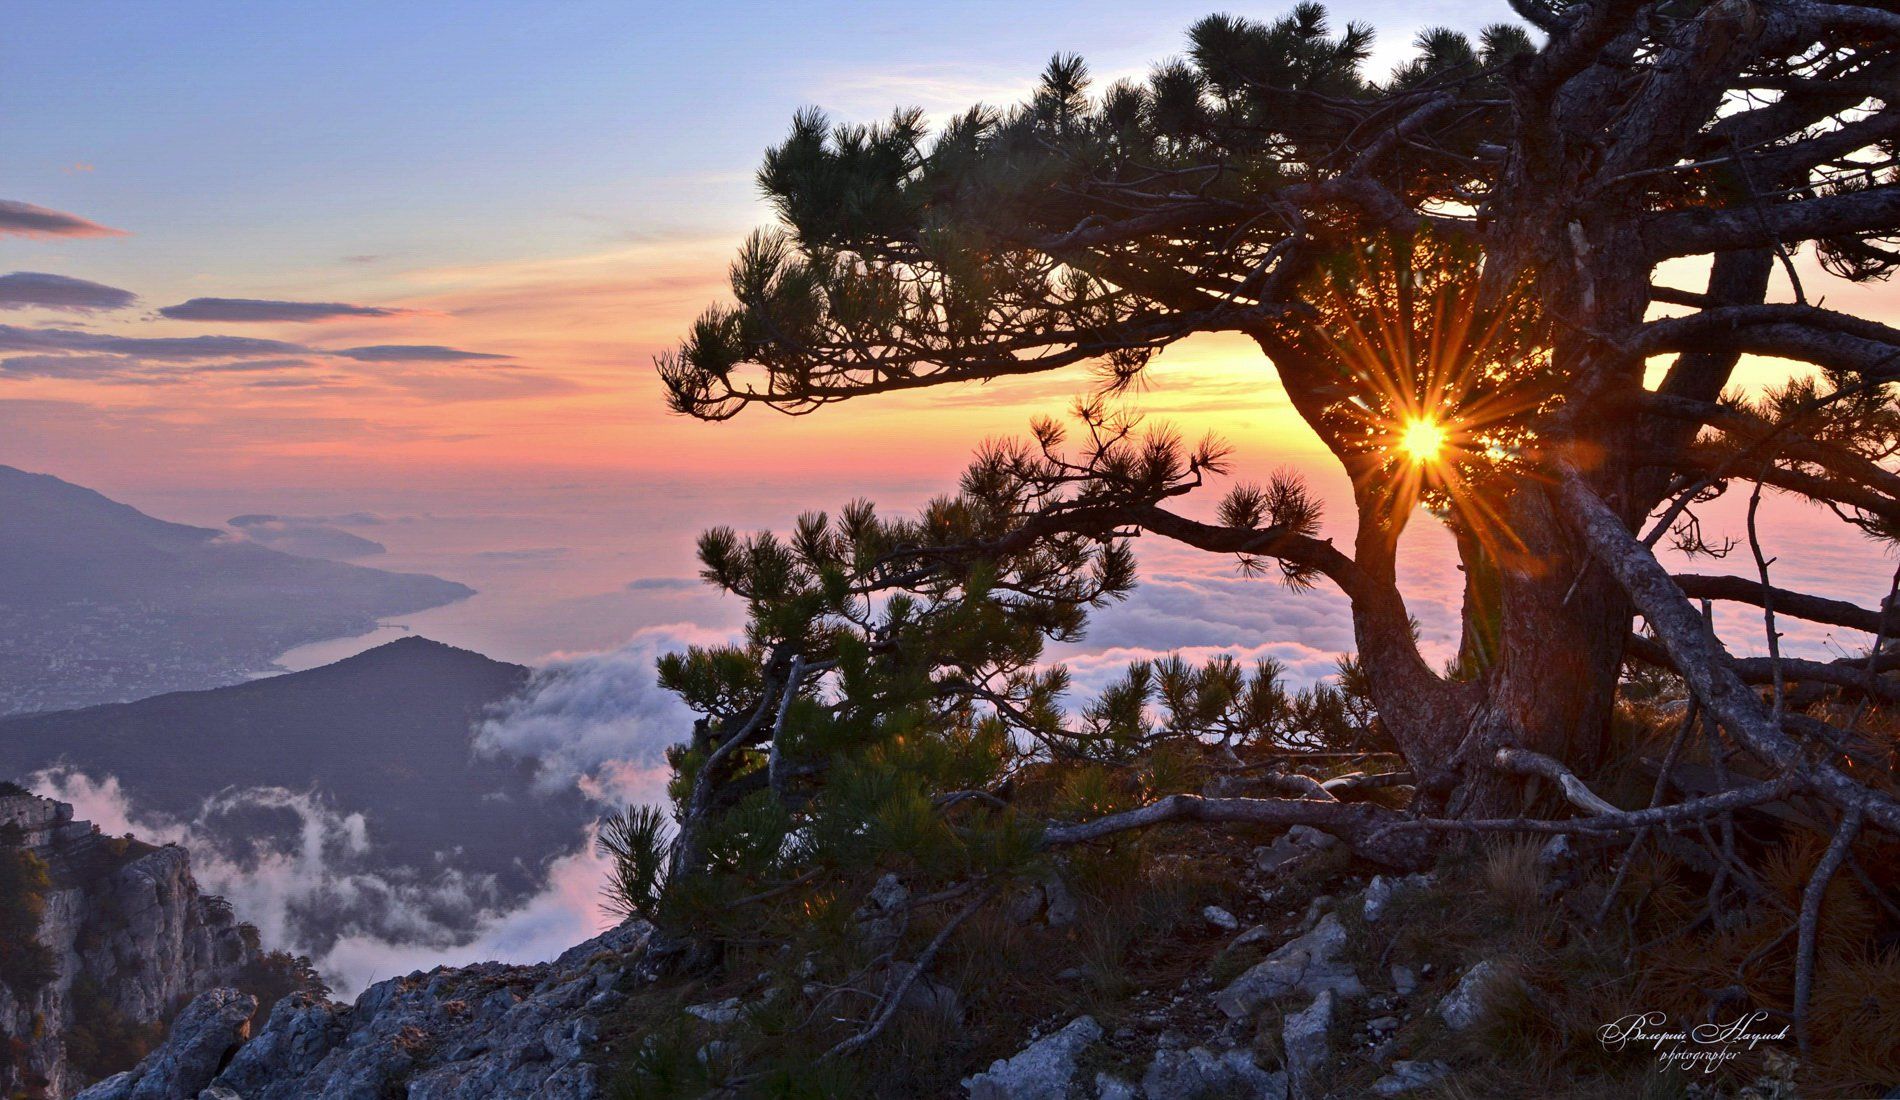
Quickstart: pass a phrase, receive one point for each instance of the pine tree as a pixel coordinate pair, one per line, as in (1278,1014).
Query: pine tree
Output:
(1456,273)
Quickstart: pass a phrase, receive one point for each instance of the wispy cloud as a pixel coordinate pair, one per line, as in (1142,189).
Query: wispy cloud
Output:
(40,290)
(411,353)
(180,348)
(67,366)
(23,219)
(79,354)
(251,310)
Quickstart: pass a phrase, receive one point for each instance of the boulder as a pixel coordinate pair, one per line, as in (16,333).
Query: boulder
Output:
(1409,1076)
(718,1013)
(1220,918)
(1062,909)
(1381,890)
(488,1031)
(1308,964)
(1200,1074)
(214,1024)
(1043,1070)
(1474,996)
(1304,1039)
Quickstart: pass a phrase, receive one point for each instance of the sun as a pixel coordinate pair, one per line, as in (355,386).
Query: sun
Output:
(1422,439)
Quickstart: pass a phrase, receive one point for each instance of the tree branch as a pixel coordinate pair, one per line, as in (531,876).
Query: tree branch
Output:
(1703,662)
(1801,605)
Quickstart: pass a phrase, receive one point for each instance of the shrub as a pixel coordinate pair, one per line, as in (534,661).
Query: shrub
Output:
(25,963)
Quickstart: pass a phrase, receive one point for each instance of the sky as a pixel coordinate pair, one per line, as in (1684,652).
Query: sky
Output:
(561,184)
(402,269)
(450,239)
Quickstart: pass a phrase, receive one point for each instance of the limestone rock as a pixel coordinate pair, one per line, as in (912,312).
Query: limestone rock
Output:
(1308,964)
(1294,844)
(1381,890)
(1043,1070)
(1408,1076)
(1304,1039)
(1062,908)
(1473,997)
(489,1030)
(717,1012)
(214,1024)
(1220,918)
(123,917)
(1199,1072)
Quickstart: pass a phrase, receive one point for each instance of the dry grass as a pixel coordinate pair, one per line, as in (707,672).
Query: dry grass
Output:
(1140,941)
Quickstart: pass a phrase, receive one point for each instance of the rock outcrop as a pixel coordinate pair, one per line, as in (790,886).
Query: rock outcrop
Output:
(489,1031)
(128,936)
(1308,964)
(203,1038)
(1043,1070)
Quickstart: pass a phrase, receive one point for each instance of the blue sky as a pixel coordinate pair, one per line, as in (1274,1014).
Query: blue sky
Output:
(257,144)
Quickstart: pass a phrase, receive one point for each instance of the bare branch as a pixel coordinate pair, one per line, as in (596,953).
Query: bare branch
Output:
(1810,923)
(1801,605)
(1525,762)
(1702,660)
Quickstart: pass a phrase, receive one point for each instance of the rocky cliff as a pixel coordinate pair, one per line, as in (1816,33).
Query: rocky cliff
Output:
(484,1032)
(124,939)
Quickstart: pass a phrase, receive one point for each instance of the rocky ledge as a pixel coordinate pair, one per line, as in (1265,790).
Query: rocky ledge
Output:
(125,935)
(490,1031)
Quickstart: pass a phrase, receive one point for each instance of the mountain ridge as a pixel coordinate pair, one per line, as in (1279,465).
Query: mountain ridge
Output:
(387,734)
(102,603)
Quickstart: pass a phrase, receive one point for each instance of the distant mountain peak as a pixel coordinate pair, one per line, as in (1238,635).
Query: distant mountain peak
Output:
(411,647)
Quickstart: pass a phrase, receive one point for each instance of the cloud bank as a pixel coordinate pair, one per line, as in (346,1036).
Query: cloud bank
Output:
(39,290)
(314,897)
(600,720)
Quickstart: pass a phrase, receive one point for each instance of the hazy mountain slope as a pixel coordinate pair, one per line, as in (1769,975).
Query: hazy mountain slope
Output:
(100,602)
(385,733)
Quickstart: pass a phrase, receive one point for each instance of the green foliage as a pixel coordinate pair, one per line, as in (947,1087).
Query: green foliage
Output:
(892,702)
(102,1040)
(1833,407)
(25,964)
(272,976)
(902,254)
(636,841)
